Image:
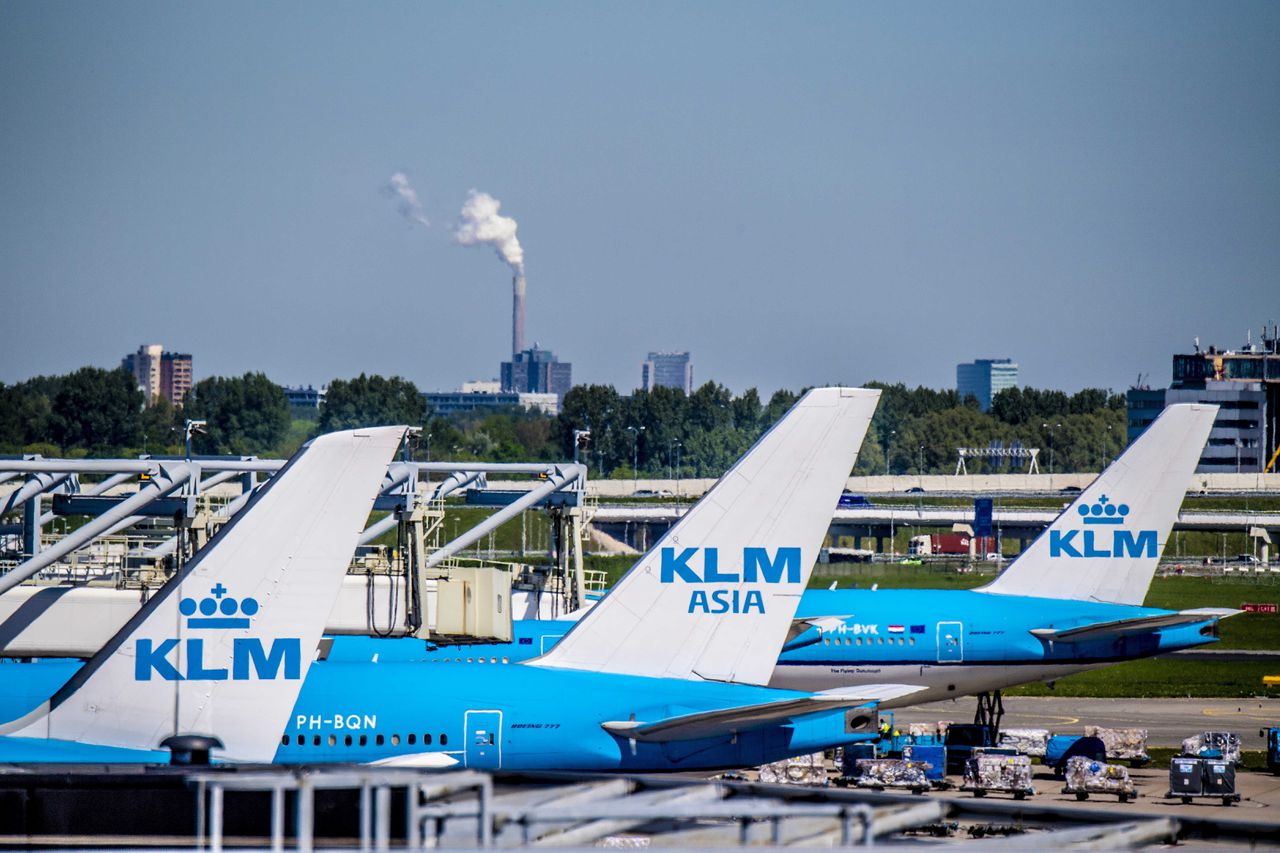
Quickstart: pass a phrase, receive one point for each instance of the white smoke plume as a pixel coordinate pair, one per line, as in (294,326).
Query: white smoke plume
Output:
(398,186)
(482,224)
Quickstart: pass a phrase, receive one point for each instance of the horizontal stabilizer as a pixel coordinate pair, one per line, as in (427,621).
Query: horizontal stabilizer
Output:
(803,631)
(740,718)
(1136,625)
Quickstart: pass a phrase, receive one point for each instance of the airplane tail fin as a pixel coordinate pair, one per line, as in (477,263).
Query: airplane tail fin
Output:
(224,646)
(714,598)
(1106,545)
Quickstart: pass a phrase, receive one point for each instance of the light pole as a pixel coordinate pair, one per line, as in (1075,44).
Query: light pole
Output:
(193,427)
(678,446)
(1051,428)
(889,453)
(580,437)
(635,456)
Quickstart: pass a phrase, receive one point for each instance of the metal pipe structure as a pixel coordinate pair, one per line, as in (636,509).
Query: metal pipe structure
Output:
(6,476)
(135,466)
(396,475)
(167,480)
(99,489)
(142,466)
(170,545)
(458,480)
(37,485)
(381,526)
(563,476)
(216,480)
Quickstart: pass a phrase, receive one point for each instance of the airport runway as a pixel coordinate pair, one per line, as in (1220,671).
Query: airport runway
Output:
(1167,721)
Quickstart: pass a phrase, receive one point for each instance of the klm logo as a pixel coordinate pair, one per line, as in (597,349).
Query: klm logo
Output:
(249,658)
(1104,536)
(756,567)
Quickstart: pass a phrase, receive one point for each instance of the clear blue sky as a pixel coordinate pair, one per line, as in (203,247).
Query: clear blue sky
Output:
(799,193)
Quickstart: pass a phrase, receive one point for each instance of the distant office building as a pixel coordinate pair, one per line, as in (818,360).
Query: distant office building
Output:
(668,370)
(536,371)
(160,373)
(1244,384)
(984,378)
(447,403)
(307,400)
(481,386)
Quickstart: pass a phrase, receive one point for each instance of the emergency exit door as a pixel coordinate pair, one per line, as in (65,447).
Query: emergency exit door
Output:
(950,642)
(484,739)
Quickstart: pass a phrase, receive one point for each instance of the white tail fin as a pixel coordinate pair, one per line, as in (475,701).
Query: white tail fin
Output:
(1106,545)
(224,646)
(714,598)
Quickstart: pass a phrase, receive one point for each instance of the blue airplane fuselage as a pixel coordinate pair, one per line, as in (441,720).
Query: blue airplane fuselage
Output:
(374,699)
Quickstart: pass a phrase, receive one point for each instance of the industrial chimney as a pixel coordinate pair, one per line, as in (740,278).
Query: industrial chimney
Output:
(517,316)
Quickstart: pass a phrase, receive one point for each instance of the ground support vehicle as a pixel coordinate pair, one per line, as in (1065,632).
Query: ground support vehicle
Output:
(1272,736)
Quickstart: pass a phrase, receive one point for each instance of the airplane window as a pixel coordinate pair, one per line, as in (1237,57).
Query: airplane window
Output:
(333,740)
(826,641)
(847,641)
(505,659)
(395,740)
(315,741)
(857,641)
(911,640)
(378,740)
(301,740)
(284,741)
(412,739)
(347,740)
(490,738)
(364,740)
(493,660)
(471,660)
(899,641)
(444,740)
(881,640)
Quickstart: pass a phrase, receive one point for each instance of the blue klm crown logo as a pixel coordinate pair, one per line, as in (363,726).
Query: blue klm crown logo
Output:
(234,614)
(1103,512)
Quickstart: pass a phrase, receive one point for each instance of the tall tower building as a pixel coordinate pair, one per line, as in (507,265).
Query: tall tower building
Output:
(160,373)
(537,371)
(667,369)
(984,378)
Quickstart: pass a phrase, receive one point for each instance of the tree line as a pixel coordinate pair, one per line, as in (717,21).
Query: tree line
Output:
(662,432)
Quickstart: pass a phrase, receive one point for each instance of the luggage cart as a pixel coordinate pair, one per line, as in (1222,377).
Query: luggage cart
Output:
(1007,774)
(881,774)
(1086,776)
(1202,778)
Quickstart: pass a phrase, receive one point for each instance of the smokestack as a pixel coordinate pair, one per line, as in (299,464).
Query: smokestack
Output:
(517,316)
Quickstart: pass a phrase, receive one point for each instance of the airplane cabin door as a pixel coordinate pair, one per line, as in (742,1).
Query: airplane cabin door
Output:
(484,740)
(950,642)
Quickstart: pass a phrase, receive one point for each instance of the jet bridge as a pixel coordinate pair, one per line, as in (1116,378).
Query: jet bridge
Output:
(69,594)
